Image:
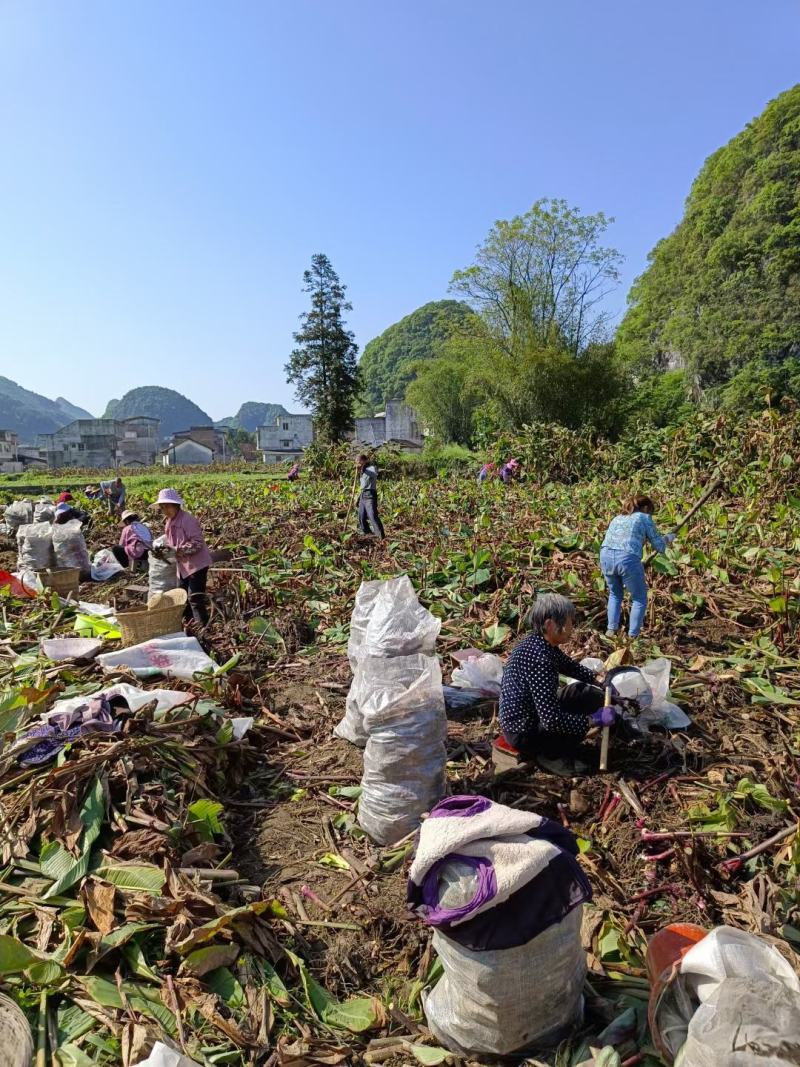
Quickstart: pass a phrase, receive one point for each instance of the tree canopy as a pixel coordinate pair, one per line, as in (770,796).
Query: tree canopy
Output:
(539,279)
(724,288)
(323,367)
(391,360)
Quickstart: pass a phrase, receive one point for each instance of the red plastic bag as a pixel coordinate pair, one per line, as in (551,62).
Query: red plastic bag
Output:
(15,585)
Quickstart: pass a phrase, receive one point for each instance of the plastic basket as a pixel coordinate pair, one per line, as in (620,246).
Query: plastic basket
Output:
(63,581)
(163,615)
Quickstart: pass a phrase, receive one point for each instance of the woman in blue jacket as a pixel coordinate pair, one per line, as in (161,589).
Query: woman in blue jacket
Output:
(621,561)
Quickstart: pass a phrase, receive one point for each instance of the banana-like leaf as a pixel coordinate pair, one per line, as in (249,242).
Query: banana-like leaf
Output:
(140,877)
(57,863)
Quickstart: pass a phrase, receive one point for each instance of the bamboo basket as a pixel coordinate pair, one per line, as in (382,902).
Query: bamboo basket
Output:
(63,581)
(163,615)
(16,1039)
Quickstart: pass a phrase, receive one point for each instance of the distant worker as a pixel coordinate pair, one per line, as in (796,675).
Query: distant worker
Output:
(486,471)
(64,498)
(509,471)
(93,492)
(184,534)
(621,561)
(294,473)
(368,518)
(135,541)
(114,491)
(539,717)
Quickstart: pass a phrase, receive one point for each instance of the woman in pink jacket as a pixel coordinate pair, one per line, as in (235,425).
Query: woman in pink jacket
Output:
(184,533)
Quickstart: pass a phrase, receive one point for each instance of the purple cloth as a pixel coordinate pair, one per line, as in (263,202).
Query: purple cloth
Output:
(460,806)
(94,717)
(433,914)
(604,717)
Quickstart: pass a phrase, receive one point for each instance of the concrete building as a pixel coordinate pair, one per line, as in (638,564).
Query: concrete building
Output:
(397,425)
(102,443)
(198,445)
(9,457)
(286,439)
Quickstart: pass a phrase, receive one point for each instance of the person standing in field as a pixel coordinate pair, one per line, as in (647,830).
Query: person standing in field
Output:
(184,533)
(621,561)
(509,471)
(486,471)
(294,473)
(115,493)
(368,518)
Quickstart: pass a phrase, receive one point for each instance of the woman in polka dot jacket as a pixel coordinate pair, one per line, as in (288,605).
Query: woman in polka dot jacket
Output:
(539,717)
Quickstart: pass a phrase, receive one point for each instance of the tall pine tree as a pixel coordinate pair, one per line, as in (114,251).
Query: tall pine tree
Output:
(323,367)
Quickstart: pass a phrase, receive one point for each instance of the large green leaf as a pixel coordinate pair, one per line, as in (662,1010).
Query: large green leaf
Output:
(57,863)
(17,958)
(204,818)
(142,877)
(356,1015)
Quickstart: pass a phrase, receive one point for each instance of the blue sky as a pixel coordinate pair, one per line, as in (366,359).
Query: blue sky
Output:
(169,169)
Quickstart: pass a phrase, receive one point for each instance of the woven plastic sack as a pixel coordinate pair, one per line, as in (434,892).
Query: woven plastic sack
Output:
(480,672)
(746,1022)
(162,573)
(402,705)
(45,510)
(105,565)
(176,656)
(398,624)
(69,547)
(387,621)
(20,513)
(504,1000)
(35,547)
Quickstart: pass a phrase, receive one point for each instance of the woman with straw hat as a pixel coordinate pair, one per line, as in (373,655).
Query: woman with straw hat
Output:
(184,533)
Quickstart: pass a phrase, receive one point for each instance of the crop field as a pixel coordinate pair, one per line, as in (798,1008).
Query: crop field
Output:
(171,879)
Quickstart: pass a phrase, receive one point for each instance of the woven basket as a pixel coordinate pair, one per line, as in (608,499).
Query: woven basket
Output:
(163,615)
(63,581)
(16,1039)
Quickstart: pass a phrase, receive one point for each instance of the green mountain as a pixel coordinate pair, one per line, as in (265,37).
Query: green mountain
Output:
(174,410)
(723,290)
(252,415)
(29,414)
(386,364)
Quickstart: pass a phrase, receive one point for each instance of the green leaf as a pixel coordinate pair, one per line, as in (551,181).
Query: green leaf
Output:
(224,984)
(478,577)
(497,634)
(349,792)
(209,958)
(428,1055)
(260,625)
(54,858)
(584,845)
(356,1015)
(204,818)
(17,958)
(275,986)
(760,795)
(145,877)
(330,859)
(95,626)
(778,605)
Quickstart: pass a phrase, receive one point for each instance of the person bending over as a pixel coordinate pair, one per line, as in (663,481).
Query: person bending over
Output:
(621,561)
(538,716)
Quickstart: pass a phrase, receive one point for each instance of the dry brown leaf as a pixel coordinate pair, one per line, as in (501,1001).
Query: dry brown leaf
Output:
(99,900)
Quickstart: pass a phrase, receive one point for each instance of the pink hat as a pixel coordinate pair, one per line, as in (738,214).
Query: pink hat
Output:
(169,496)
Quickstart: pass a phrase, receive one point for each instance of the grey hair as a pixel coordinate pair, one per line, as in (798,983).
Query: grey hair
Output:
(549,606)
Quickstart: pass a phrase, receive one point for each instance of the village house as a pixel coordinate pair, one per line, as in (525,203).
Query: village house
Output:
(103,443)
(396,425)
(9,458)
(286,439)
(199,445)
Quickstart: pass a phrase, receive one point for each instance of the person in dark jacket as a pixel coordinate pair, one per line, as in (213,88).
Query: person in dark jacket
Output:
(540,717)
(368,518)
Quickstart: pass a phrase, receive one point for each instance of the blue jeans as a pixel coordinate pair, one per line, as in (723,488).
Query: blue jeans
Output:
(622,571)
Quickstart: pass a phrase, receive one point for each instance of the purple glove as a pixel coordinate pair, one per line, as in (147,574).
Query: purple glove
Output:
(604,717)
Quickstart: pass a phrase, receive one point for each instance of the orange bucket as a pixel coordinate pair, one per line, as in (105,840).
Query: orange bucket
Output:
(665,950)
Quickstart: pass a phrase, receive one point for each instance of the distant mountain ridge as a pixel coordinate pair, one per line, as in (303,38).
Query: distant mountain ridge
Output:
(251,415)
(173,409)
(28,414)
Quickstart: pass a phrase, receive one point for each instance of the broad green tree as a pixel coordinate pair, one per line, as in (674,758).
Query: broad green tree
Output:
(540,280)
(323,367)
